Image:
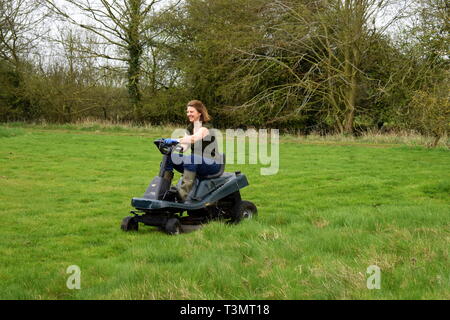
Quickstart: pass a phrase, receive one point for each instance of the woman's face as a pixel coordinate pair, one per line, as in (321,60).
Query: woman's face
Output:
(192,114)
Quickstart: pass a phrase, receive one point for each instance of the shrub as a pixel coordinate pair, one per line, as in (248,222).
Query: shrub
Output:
(429,112)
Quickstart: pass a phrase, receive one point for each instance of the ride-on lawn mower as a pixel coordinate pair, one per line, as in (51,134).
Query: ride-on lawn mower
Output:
(213,197)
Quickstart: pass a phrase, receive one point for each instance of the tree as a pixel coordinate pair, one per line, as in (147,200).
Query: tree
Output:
(429,112)
(124,26)
(322,47)
(203,38)
(20,28)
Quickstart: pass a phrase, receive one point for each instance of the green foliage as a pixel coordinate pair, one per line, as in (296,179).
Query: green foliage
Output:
(430,113)
(166,107)
(206,36)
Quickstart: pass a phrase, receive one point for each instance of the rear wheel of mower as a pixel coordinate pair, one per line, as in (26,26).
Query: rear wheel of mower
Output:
(129,224)
(173,226)
(243,210)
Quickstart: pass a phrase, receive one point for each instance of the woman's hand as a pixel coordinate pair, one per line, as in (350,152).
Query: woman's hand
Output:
(171,141)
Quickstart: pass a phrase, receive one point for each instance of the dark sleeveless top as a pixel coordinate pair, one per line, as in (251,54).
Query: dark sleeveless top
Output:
(200,146)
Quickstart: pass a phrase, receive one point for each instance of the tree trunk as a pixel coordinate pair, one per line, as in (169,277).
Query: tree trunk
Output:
(350,90)
(135,50)
(435,142)
(133,81)
(354,13)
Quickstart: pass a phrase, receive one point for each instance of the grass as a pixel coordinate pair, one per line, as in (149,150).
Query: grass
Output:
(332,210)
(408,138)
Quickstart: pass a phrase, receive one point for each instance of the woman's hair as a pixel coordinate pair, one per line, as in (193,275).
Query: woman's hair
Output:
(200,107)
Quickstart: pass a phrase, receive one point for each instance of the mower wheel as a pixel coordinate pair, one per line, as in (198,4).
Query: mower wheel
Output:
(129,224)
(244,210)
(173,226)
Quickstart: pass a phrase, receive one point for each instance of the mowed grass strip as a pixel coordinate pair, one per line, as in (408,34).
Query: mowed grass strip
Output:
(330,213)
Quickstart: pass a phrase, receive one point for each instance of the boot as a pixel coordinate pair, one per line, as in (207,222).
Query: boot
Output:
(187,183)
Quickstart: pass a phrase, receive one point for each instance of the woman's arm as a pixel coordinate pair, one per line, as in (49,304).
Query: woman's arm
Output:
(199,135)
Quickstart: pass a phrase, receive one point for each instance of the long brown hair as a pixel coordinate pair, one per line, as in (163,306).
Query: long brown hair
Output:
(200,107)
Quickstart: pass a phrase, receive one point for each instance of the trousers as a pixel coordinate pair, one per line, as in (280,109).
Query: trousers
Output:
(195,163)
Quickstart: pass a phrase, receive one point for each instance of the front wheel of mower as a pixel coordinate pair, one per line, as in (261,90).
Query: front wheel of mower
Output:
(173,226)
(244,210)
(129,224)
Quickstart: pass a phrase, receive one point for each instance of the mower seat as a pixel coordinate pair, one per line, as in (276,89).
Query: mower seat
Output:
(218,174)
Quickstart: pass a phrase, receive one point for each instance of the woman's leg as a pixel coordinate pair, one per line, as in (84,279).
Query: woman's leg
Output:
(193,166)
(207,168)
(202,166)
(175,161)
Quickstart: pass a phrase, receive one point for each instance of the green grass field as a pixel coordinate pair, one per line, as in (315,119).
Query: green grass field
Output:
(333,210)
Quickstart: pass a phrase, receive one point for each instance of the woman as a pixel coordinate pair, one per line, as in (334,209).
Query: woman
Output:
(202,160)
